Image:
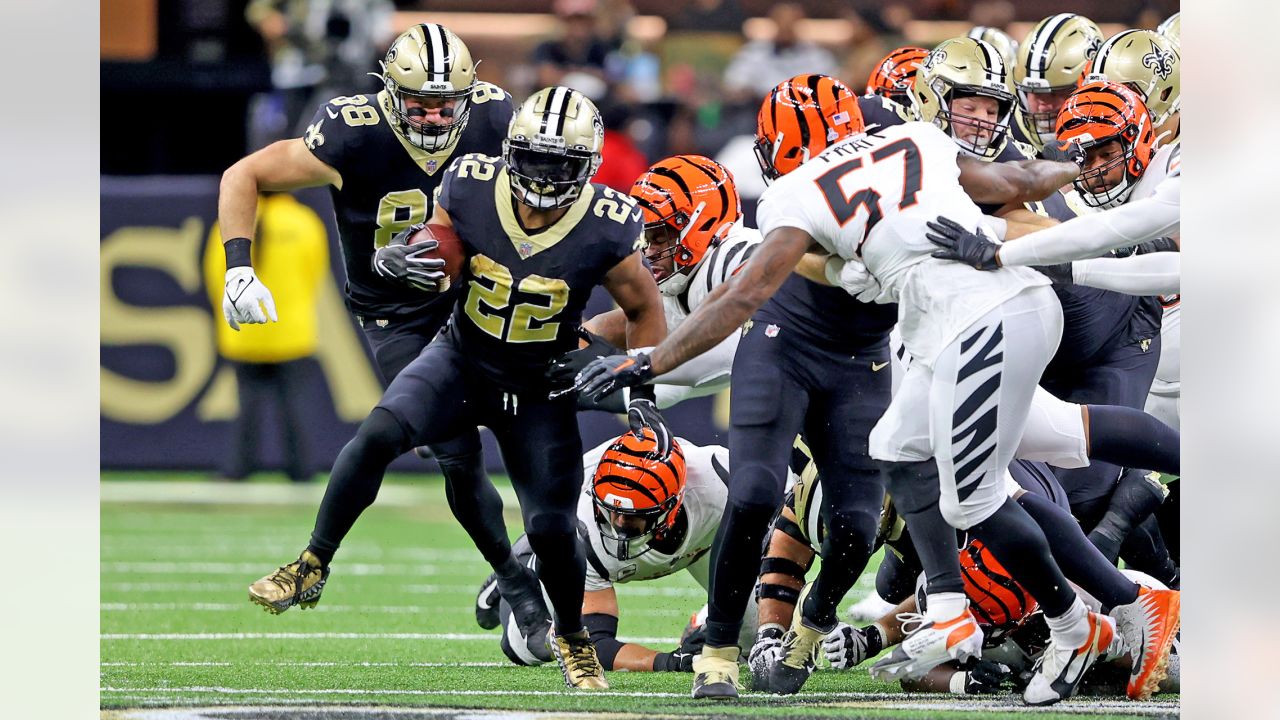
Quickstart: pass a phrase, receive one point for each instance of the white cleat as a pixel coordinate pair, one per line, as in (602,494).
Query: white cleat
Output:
(1059,670)
(930,645)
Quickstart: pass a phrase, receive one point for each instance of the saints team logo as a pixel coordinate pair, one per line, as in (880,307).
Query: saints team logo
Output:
(1095,44)
(934,58)
(313,138)
(1159,60)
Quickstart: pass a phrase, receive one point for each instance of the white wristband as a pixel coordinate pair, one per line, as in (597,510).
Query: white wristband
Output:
(958,681)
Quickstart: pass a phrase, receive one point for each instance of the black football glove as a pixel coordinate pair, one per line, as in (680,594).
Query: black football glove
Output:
(1063,151)
(642,412)
(682,659)
(607,374)
(1060,274)
(984,677)
(564,369)
(962,246)
(399,261)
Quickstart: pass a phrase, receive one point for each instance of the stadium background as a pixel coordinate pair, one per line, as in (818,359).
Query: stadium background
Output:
(187,89)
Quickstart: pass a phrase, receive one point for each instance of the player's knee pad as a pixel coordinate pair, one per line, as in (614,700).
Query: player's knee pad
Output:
(777,591)
(381,436)
(754,484)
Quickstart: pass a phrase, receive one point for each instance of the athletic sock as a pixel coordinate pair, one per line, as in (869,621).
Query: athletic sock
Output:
(1132,438)
(945,606)
(1020,546)
(1070,628)
(1080,561)
(354,482)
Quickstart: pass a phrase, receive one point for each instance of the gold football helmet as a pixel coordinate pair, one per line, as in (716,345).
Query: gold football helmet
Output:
(958,68)
(431,67)
(1148,63)
(1172,28)
(552,149)
(999,39)
(1050,63)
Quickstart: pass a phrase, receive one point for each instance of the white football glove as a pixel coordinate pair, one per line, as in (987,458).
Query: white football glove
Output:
(766,651)
(245,297)
(854,278)
(845,647)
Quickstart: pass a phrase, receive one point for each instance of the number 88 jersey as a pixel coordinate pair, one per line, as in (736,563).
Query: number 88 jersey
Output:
(388,185)
(525,291)
(867,199)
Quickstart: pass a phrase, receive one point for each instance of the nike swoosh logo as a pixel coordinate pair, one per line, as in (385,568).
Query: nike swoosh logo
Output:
(877,367)
(332,115)
(483,600)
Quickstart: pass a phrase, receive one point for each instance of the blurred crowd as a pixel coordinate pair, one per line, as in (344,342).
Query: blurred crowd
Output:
(691,87)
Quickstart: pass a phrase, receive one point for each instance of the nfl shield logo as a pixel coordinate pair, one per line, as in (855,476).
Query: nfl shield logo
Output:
(431,166)
(771,331)
(525,249)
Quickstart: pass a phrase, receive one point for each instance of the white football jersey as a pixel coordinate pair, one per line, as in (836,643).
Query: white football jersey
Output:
(705,493)
(1164,176)
(709,372)
(867,198)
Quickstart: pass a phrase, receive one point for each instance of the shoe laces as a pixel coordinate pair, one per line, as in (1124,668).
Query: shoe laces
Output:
(582,657)
(290,577)
(916,620)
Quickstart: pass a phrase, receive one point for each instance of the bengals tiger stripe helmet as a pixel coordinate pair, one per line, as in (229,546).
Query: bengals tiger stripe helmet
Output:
(893,76)
(1099,113)
(800,118)
(1051,61)
(692,200)
(996,599)
(636,496)
(1148,63)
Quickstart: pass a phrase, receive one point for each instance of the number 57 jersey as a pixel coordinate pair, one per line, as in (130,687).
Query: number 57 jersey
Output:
(867,199)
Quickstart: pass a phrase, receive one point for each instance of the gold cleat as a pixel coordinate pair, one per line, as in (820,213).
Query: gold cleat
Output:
(716,674)
(578,661)
(298,583)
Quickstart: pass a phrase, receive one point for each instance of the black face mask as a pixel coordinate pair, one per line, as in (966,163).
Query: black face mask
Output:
(549,168)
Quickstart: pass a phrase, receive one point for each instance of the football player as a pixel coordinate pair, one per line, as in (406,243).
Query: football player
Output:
(640,518)
(1148,620)
(1051,61)
(539,236)
(893,77)
(695,241)
(997,38)
(383,157)
(1140,190)
(818,104)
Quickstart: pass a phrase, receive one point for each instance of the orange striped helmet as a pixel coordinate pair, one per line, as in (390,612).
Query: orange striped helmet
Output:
(896,73)
(636,496)
(800,118)
(1097,114)
(996,599)
(692,199)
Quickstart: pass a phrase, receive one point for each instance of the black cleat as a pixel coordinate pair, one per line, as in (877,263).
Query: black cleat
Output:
(487,603)
(524,595)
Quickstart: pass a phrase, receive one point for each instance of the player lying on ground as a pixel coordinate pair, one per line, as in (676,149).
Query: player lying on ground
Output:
(538,237)
(640,518)
(1148,620)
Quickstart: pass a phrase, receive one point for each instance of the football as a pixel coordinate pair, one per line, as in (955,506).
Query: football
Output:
(450,248)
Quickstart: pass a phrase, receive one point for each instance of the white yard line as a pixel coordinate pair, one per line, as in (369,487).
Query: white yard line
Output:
(461,637)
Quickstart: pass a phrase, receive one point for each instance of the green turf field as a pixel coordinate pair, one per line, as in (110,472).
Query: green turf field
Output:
(395,628)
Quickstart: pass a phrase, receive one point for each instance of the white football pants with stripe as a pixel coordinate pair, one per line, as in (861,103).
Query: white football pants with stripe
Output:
(969,411)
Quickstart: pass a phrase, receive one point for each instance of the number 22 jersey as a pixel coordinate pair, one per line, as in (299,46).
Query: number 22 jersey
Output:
(525,290)
(867,198)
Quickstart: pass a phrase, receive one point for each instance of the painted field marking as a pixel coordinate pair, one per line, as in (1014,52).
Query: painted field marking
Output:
(461,637)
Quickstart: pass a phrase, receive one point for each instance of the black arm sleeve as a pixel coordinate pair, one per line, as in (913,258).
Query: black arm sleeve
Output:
(604,635)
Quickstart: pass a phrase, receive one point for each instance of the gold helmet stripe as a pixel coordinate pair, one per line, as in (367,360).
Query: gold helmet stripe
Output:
(1038,57)
(554,112)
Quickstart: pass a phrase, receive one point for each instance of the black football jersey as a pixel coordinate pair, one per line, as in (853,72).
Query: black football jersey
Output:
(524,292)
(388,185)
